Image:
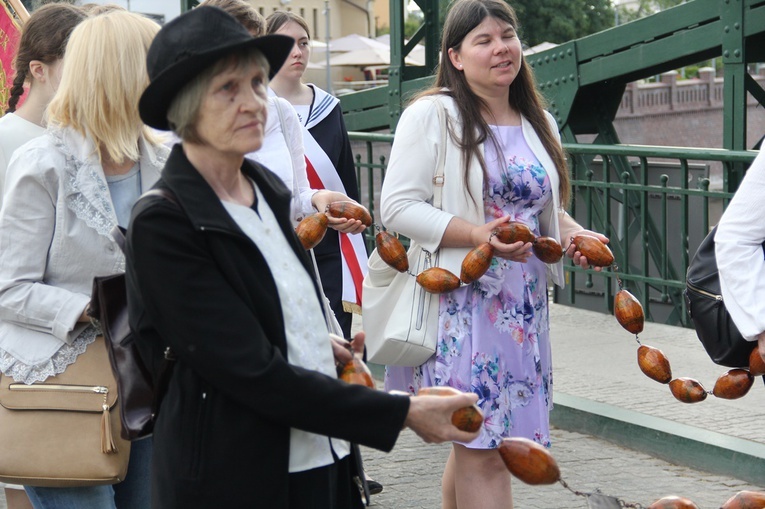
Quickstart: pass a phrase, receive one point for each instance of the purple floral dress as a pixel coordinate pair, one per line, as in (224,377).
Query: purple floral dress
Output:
(494,334)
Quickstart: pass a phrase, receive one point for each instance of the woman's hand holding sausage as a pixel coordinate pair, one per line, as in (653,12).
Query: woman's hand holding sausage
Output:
(431,417)
(515,252)
(579,258)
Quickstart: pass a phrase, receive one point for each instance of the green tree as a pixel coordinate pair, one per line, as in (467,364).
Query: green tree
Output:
(555,21)
(645,8)
(411,24)
(560,21)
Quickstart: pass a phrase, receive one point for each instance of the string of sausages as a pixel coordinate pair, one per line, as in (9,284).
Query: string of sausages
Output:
(733,384)
(311,230)
(525,459)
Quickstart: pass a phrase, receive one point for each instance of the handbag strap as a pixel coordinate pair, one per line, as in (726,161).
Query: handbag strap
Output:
(162,379)
(438,177)
(333,326)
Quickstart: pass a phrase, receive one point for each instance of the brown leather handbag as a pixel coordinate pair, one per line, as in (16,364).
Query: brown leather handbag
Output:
(65,431)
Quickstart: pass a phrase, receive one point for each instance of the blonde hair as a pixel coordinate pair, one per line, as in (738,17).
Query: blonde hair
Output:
(98,9)
(103,77)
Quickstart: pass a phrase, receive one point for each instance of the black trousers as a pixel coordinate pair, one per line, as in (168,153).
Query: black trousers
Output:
(330,487)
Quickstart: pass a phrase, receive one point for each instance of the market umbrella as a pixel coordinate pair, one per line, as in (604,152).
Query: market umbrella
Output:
(542,46)
(355,42)
(367,57)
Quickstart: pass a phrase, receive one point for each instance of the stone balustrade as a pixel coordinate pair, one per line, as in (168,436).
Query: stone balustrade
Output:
(673,95)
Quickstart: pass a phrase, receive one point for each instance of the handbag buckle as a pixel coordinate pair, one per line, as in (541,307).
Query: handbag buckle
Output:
(438,180)
(169,355)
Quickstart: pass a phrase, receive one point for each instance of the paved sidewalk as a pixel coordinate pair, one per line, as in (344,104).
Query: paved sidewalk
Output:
(594,358)
(411,476)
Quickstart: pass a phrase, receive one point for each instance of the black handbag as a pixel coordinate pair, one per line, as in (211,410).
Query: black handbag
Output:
(714,327)
(108,306)
(139,395)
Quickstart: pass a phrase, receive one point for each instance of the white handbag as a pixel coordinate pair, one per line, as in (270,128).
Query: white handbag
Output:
(399,317)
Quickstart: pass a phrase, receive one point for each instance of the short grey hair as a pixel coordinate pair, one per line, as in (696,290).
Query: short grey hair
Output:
(183,113)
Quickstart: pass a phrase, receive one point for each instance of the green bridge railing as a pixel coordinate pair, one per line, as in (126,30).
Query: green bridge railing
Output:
(655,204)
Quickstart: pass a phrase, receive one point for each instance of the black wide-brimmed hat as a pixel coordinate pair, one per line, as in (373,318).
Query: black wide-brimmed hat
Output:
(189,44)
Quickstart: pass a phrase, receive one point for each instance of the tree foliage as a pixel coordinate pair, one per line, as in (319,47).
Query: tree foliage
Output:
(555,21)
(560,21)
(644,8)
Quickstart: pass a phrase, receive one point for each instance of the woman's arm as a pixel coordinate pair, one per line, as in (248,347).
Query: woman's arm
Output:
(309,199)
(738,249)
(294,140)
(461,233)
(177,286)
(27,225)
(408,187)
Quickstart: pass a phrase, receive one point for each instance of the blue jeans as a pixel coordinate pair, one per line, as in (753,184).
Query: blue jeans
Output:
(133,493)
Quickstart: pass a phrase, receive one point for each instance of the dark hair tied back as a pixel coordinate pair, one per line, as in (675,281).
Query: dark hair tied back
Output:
(43,38)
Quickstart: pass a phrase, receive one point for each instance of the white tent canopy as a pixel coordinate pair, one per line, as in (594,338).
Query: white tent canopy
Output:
(367,57)
(542,46)
(355,42)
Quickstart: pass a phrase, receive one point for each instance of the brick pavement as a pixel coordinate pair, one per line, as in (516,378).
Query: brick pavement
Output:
(411,475)
(594,358)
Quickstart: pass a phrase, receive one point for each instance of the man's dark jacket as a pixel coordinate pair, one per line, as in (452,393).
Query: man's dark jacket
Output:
(198,284)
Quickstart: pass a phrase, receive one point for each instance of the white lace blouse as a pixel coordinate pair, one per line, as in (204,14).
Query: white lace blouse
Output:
(308,343)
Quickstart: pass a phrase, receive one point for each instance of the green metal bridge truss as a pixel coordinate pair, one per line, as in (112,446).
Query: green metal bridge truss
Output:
(654,217)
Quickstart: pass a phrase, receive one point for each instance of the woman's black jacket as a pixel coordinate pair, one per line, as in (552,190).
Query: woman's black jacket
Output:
(198,284)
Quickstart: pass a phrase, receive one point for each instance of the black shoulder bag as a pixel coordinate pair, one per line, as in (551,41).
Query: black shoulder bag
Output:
(714,326)
(138,396)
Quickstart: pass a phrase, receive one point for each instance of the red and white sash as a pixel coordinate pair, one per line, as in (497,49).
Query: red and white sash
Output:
(323,175)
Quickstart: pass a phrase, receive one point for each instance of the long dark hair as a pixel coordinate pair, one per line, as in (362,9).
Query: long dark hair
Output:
(463,17)
(43,38)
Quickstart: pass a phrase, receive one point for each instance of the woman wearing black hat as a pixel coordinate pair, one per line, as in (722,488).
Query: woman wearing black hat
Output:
(217,274)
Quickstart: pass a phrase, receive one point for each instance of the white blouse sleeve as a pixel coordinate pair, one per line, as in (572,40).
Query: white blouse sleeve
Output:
(739,253)
(295,133)
(407,192)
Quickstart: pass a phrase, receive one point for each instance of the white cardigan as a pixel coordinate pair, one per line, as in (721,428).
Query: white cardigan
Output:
(738,250)
(407,192)
(54,238)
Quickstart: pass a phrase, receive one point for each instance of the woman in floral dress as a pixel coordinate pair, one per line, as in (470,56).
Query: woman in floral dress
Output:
(504,162)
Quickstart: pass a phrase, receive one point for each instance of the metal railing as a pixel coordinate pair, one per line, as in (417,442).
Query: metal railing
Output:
(656,204)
